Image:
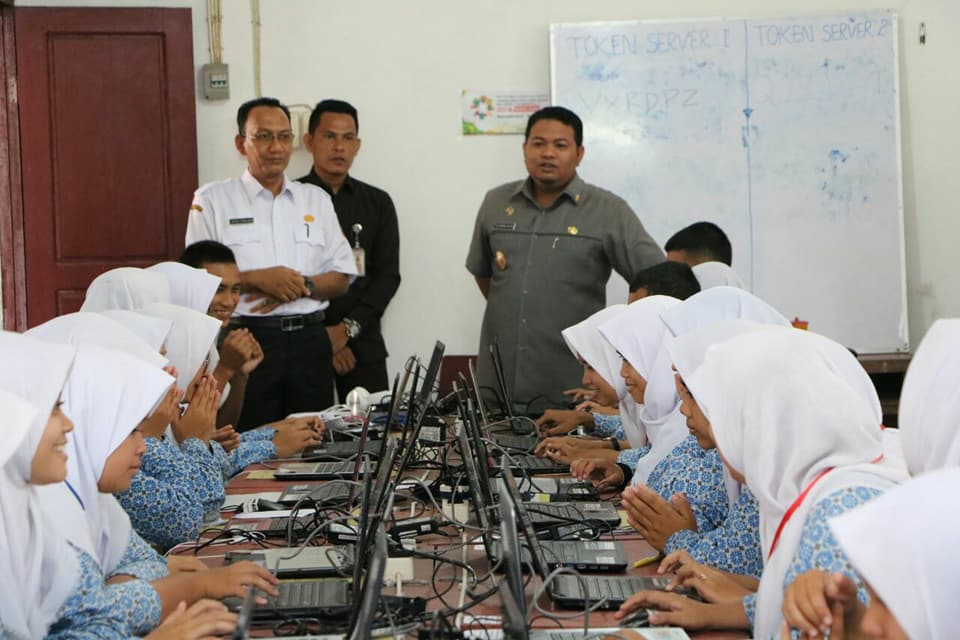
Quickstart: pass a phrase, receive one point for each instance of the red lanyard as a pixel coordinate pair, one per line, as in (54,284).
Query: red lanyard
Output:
(796,504)
(793,507)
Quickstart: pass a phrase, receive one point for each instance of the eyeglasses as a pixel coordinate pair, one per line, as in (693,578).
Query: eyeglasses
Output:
(265,138)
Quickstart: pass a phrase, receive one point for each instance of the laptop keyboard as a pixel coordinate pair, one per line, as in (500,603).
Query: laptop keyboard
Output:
(535,462)
(614,589)
(303,594)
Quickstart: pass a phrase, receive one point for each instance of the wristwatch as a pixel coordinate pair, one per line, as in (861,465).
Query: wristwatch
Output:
(353,327)
(614,443)
(311,287)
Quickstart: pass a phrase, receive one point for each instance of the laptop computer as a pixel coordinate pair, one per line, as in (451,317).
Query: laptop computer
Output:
(601,515)
(597,556)
(331,492)
(565,590)
(418,408)
(520,425)
(332,597)
(515,442)
(363,616)
(350,467)
(306,562)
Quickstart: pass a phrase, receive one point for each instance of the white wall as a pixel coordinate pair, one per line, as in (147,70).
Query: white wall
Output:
(403,65)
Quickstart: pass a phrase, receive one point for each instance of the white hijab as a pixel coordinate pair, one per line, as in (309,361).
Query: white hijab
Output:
(96,329)
(704,309)
(153,331)
(720,303)
(39,569)
(191,338)
(716,274)
(189,287)
(585,342)
(125,288)
(914,569)
(782,413)
(107,394)
(930,403)
(639,336)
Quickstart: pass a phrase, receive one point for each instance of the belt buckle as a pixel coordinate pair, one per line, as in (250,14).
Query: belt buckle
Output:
(291,323)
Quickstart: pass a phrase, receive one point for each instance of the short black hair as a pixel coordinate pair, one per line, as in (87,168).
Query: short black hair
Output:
(332,106)
(674,279)
(244,111)
(207,252)
(561,114)
(702,240)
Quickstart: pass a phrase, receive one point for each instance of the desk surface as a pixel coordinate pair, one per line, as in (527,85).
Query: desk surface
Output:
(636,547)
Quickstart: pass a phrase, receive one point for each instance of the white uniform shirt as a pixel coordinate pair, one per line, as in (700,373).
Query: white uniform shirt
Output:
(298,229)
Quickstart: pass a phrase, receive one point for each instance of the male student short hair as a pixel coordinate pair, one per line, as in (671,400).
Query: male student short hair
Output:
(702,240)
(244,111)
(332,106)
(674,279)
(561,114)
(207,252)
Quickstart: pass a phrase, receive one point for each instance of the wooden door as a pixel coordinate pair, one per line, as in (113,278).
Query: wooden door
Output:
(108,144)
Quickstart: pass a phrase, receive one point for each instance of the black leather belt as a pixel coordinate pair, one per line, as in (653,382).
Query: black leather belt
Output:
(283,323)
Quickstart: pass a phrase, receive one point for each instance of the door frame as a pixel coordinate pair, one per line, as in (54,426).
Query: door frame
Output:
(12,256)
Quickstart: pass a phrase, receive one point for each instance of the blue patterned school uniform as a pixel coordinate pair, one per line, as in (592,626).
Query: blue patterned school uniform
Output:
(174,488)
(698,474)
(818,549)
(734,546)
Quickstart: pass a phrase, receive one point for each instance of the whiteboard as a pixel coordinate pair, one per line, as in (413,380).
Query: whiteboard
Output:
(783,131)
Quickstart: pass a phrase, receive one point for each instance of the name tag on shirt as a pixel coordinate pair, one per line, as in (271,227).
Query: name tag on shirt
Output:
(241,220)
(505,226)
(360,258)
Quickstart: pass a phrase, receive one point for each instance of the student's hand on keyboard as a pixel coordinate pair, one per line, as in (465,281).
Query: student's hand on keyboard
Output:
(655,518)
(556,422)
(178,564)
(233,580)
(712,584)
(817,603)
(203,620)
(671,609)
(603,474)
(294,434)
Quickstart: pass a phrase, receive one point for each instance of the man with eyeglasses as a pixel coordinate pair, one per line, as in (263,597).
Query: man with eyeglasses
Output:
(292,257)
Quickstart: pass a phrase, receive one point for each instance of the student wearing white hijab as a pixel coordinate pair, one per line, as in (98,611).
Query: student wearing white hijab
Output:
(804,441)
(912,595)
(929,415)
(734,545)
(189,287)
(40,571)
(109,394)
(716,274)
(152,331)
(106,395)
(125,288)
(601,366)
(93,328)
(637,335)
(181,477)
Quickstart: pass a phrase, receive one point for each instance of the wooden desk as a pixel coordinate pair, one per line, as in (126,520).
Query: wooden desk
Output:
(887,371)
(636,547)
